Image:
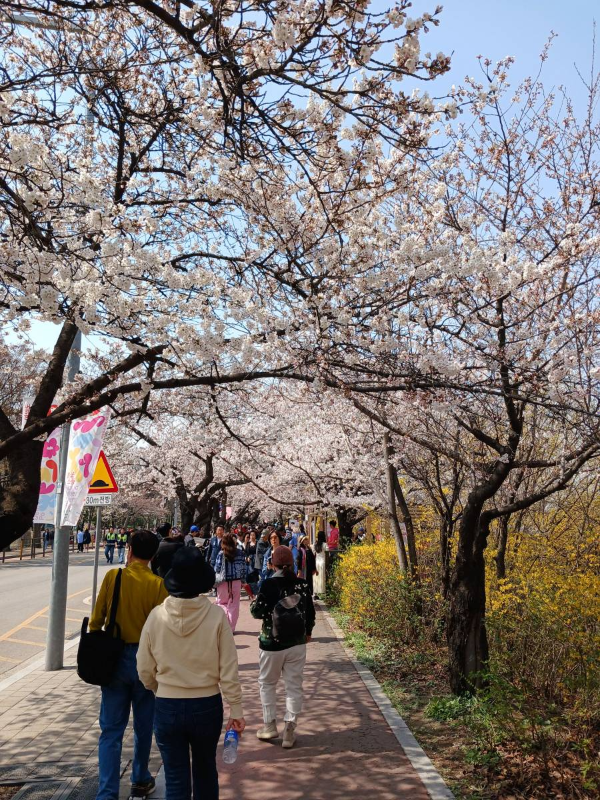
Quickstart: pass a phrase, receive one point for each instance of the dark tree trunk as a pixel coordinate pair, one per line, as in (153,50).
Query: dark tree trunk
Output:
(391,503)
(19,497)
(347,518)
(500,557)
(408,526)
(187,517)
(446,530)
(466,631)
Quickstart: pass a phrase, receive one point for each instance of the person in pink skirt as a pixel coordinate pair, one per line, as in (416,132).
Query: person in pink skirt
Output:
(231,570)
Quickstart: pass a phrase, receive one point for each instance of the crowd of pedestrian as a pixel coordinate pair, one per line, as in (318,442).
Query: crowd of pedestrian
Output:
(178,603)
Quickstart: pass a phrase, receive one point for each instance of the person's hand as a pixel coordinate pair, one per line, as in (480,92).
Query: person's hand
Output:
(237,725)
(308,638)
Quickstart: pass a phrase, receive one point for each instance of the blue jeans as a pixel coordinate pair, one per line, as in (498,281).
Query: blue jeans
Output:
(125,691)
(109,552)
(121,555)
(181,724)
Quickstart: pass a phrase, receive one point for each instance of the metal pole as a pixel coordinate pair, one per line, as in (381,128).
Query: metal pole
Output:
(55,639)
(97,553)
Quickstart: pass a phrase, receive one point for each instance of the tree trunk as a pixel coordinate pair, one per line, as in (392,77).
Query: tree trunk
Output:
(392,513)
(500,557)
(187,517)
(446,528)
(466,631)
(408,526)
(347,518)
(19,497)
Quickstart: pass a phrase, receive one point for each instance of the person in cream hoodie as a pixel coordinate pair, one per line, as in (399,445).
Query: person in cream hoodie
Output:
(187,657)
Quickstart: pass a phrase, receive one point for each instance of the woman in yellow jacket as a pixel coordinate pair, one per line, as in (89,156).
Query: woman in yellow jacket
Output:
(187,656)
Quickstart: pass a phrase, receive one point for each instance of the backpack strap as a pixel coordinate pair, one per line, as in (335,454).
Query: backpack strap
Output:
(114,607)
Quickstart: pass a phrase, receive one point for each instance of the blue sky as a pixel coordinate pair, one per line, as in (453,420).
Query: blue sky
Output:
(493,29)
(519,28)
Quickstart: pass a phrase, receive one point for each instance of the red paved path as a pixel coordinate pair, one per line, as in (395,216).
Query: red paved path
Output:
(345,748)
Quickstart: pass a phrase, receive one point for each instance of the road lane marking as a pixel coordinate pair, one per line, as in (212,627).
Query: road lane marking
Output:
(22,673)
(12,660)
(24,641)
(35,616)
(36,628)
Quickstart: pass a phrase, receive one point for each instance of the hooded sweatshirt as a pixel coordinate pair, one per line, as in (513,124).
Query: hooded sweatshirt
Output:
(187,650)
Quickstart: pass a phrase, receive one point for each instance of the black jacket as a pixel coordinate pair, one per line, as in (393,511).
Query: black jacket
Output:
(272,590)
(161,563)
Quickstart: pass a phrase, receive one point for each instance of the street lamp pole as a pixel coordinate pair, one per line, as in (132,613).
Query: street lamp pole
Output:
(55,638)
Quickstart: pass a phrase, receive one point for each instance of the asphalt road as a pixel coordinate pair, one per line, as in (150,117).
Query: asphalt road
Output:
(24,599)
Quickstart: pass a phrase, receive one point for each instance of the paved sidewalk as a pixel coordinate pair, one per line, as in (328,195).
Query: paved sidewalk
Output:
(345,749)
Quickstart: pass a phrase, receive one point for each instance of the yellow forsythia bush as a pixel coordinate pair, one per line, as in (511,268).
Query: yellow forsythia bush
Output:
(374,594)
(544,624)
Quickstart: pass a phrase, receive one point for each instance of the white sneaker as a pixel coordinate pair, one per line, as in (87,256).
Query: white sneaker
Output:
(289,735)
(268,731)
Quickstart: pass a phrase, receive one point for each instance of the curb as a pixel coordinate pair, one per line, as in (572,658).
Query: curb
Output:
(421,763)
(24,671)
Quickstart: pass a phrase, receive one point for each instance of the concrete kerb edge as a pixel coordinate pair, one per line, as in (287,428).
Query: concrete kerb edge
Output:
(421,763)
(33,666)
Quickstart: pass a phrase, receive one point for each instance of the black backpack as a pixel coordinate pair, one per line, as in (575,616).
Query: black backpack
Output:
(288,619)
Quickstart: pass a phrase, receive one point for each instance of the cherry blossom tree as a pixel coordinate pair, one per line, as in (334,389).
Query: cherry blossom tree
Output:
(502,232)
(136,141)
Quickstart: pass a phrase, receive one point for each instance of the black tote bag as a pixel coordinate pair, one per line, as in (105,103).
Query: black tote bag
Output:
(99,651)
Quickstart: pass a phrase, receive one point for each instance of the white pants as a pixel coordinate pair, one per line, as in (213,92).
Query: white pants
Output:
(288,664)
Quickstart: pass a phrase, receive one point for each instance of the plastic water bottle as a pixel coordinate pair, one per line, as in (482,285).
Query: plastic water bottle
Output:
(230,747)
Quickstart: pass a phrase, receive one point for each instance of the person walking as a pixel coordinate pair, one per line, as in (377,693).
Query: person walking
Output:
(214,548)
(121,544)
(87,537)
(230,570)
(161,563)
(80,540)
(187,656)
(110,540)
(333,537)
(282,644)
(163,530)
(306,563)
(275,540)
(141,591)
(253,576)
(261,550)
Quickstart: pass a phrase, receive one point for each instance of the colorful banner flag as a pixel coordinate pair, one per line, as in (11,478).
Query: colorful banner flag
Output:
(85,443)
(49,468)
(49,477)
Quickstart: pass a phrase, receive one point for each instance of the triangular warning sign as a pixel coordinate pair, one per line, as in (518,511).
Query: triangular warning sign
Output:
(103,481)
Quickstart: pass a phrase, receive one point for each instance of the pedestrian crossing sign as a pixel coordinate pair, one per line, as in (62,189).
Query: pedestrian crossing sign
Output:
(103,481)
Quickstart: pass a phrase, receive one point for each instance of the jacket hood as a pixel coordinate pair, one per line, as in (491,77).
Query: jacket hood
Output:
(184,615)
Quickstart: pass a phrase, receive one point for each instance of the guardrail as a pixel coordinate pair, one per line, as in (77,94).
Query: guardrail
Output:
(35,547)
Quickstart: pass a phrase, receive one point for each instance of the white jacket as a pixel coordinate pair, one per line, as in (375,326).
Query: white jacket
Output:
(187,649)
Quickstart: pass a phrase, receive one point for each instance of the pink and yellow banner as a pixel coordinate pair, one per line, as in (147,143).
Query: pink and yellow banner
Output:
(85,443)
(49,476)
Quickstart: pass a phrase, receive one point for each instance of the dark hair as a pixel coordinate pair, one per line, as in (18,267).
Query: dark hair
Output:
(229,547)
(163,530)
(288,572)
(321,540)
(144,544)
(332,522)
